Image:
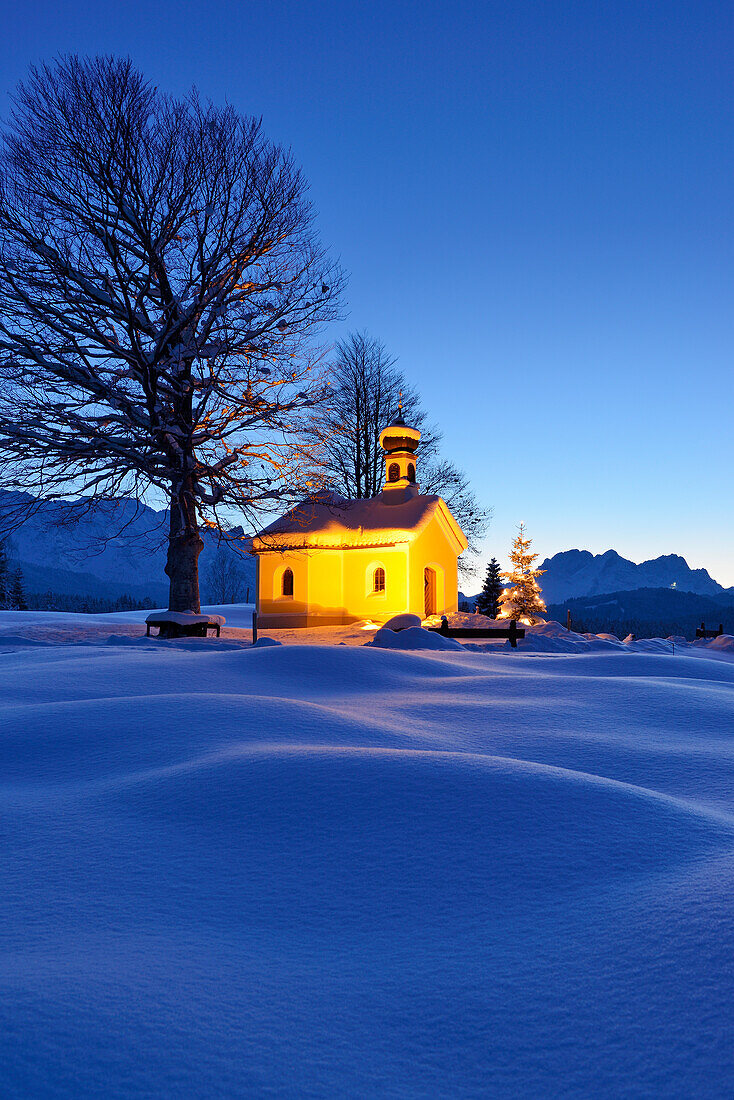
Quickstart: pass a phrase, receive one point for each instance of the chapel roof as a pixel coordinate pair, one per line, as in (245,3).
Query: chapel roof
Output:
(328,520)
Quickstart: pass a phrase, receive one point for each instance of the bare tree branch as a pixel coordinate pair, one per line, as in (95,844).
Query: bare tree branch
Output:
(161,286)
(365,386)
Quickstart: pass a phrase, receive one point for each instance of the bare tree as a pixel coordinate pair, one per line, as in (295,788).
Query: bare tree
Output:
(225,580)
(450,482)
(365,387)
(160,288)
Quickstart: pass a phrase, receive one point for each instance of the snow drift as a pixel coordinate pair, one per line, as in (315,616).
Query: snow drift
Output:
(321,871)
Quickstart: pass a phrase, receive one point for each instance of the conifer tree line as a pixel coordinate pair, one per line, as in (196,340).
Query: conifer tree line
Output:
(12,587)
(86,605)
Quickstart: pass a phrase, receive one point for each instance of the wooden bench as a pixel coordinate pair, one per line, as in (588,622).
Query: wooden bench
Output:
(513,632)
(177,627)
(702,632)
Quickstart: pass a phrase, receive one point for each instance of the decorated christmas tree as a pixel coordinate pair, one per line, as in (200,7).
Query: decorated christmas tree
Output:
(522,599)
(488,599)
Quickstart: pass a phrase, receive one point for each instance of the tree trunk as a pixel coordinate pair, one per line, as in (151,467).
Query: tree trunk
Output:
(184,546)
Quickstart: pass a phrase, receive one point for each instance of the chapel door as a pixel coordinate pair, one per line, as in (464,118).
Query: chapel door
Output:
(429,591)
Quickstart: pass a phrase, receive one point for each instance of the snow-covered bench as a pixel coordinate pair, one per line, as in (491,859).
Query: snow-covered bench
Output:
(183,624)
(513,632)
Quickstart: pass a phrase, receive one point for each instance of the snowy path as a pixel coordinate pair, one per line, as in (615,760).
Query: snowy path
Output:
(341,871)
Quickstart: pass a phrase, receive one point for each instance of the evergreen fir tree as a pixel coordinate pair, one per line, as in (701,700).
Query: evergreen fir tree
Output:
(488,599)
(522,599)
(4,576)
(17,592)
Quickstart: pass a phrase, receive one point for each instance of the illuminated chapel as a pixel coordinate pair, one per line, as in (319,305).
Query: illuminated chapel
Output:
(331,561)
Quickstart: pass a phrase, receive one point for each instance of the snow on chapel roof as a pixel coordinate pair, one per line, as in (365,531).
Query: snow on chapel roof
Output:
(330,521)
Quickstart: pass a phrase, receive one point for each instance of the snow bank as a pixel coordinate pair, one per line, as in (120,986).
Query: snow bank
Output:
(413,637)
(723,644)
(467,619)
(552,637)
(26,628)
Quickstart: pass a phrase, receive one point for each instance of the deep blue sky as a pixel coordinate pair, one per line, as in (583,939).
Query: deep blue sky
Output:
(535,202)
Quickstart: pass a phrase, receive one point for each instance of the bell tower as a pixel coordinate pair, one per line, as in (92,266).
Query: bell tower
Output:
(400,443)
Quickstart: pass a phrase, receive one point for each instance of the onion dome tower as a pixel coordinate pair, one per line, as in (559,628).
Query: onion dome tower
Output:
(400,443)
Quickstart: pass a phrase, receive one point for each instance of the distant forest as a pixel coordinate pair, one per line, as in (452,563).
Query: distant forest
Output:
(59,601)
(646,613)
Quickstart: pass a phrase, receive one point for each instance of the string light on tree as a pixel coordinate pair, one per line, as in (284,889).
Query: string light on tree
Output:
(522,600)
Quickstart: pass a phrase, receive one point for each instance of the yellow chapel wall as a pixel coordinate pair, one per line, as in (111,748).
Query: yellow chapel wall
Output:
(326,593)
(337,586)
(432,549)
(273,608)
(359,572)
(331,586)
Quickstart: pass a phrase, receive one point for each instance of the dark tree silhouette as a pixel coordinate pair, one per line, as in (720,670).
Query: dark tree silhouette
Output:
(161,285)
(488,599)
(4,576)
(17,591)
(225,578)
(365,386)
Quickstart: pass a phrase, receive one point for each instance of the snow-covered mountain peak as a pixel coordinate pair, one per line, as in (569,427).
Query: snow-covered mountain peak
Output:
(580,573)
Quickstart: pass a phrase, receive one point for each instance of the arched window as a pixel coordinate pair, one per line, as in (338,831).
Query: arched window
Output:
(378,580)
(411,472)
(287,583)
(393,472)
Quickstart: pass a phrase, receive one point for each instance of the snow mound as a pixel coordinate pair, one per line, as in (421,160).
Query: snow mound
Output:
(650,645)
(551,637)
(548,629)
(402,622)
(413,637)
(468,619)
(723,644)
(15,640)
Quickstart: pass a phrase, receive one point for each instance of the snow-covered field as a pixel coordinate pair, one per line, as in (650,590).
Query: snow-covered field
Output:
(342,870)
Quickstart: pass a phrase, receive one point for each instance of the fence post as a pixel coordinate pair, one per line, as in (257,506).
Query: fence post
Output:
(568,619)
(513,633)
(254,627)
(721,629)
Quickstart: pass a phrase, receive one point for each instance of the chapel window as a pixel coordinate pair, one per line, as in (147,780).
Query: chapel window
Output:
(378,582)
(411,472)
(287,585)
(393,472)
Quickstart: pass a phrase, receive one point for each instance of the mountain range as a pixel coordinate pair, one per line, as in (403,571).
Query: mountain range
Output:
(119,548)
(574,573)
